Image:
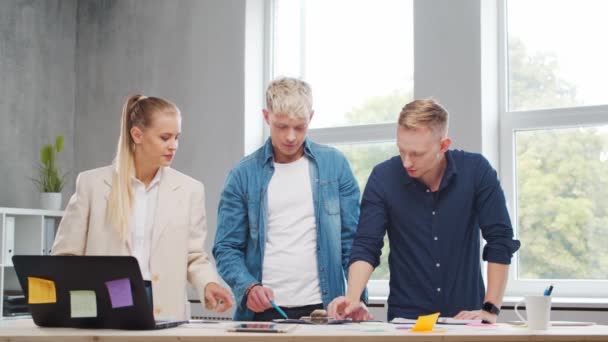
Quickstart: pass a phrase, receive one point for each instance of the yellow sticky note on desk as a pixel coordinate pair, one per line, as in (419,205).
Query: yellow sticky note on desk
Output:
(41,291)
(426,323)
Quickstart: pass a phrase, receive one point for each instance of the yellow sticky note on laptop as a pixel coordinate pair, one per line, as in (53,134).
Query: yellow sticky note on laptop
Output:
(41,291)
(426,323)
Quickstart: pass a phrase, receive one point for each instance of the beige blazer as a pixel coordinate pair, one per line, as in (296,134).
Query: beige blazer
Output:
(178,234)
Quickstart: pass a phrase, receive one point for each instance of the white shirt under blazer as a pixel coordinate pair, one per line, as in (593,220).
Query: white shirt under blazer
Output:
(142,220)
(178,233)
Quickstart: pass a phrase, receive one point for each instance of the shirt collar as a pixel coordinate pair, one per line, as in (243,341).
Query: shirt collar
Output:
(450,171)
(268,152)
(157,178)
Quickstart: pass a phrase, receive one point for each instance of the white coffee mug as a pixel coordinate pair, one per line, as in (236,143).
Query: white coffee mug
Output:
(538,312)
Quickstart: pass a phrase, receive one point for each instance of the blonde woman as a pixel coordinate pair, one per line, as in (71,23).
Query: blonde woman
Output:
(140,206)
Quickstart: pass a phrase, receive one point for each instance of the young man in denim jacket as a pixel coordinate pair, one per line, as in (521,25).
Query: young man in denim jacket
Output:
(287,215)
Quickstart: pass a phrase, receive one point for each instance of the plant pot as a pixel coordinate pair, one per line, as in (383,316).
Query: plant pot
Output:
(50,200)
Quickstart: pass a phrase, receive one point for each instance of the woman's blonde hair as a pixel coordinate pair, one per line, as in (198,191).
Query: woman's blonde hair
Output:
(138,111)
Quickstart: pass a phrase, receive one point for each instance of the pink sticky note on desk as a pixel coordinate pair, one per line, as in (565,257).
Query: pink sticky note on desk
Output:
(480,325)
(120,292)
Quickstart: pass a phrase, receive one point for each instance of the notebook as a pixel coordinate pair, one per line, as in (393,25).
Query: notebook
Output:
(105,292)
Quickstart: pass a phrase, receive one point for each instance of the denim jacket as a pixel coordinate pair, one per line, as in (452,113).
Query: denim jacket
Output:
(242,219)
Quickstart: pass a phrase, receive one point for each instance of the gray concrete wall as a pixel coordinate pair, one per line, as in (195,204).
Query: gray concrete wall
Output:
(191,52)
(37,82)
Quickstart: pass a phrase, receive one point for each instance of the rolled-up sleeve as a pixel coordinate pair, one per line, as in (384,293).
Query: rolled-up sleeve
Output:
(493,216)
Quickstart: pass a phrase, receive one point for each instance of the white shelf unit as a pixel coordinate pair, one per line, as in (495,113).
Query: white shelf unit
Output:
(23,232)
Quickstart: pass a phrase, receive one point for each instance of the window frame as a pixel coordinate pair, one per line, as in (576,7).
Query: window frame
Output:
(510,123)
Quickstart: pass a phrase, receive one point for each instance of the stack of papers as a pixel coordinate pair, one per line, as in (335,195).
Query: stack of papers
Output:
(440,320)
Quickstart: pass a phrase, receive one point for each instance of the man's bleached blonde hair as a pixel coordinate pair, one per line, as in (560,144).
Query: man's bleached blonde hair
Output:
(289,96)
(425,113)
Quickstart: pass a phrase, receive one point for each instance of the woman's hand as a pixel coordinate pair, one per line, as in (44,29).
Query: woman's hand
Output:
(217,298)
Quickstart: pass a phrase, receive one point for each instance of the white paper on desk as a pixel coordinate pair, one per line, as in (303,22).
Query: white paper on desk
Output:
(450,320)
(312,328)
(218,326)
(440,320)
(399,320)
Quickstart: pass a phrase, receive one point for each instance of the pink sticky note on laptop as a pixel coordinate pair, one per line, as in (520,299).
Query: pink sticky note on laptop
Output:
(120,292)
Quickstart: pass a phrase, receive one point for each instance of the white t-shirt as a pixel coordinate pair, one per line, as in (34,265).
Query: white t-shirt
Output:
(290,258)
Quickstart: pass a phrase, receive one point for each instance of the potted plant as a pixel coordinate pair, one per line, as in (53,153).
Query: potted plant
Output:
(49,181)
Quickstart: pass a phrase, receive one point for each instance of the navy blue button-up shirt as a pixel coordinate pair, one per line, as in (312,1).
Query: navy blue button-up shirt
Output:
(434,237)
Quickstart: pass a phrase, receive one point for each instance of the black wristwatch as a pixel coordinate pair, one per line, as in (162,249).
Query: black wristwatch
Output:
(491,308)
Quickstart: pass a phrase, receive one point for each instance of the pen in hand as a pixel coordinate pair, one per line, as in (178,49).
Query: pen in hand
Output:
(276,307)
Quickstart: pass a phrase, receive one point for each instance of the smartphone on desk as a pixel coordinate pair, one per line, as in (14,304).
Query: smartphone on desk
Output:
(261,327)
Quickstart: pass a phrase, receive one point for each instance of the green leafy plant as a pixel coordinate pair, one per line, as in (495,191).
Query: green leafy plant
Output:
(49,178)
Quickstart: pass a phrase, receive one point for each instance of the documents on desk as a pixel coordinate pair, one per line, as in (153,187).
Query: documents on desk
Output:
(25,329)
(440,320)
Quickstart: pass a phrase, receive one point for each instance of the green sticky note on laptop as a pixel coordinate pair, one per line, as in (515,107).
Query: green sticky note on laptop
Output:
(83,304)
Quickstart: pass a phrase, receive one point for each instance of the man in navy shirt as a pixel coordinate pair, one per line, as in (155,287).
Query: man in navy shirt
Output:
(434,203)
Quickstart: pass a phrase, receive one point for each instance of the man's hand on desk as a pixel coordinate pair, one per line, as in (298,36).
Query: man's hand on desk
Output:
(342,308)
(477,314)
(217,298)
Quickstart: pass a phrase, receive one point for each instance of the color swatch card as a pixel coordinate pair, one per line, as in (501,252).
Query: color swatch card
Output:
(83,304)
(120,292)
(41,291)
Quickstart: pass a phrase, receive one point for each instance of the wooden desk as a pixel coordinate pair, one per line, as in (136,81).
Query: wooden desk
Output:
(25,330)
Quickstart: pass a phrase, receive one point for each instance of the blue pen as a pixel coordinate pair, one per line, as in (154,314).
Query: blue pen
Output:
(548,291)
(276,307)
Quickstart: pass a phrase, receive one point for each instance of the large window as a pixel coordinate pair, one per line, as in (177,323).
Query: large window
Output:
(554,144)
(559,60)
(356,54)
(358,57)
(562,187)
